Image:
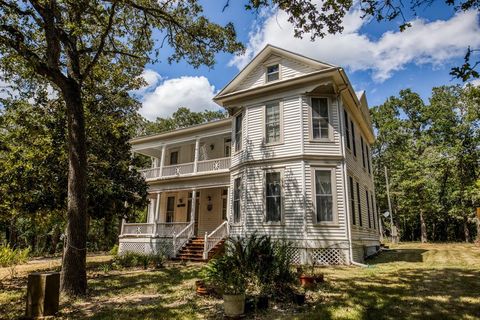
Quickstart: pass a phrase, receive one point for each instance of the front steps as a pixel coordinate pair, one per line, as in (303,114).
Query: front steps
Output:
(193,250)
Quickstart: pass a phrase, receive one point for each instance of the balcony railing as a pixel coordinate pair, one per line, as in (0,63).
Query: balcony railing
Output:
(178,169)
(184,169)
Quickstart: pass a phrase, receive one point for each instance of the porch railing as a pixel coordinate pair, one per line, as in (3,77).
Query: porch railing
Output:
(182,237)
(178,169)
(168,229)
(138,229)
(213,165)
(212,239)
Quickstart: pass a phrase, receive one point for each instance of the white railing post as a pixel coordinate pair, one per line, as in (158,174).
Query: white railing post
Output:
(123,227)
(174,240)
(162,160)
(205,247)
(197,151)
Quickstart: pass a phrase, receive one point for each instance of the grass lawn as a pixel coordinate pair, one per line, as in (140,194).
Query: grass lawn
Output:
(411,281)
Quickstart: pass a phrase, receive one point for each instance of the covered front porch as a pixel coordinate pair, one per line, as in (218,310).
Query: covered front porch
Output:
(175,217)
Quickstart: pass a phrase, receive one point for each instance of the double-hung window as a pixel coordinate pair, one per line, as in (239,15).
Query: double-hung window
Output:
(237,192)
(273,196)
(323,196)
(347,129)
(238,132)
(272,123)
(273,72)
(320,120)
(362,145)
(373,211)
(368,208)
(359,205)
(351,195)
(354,144)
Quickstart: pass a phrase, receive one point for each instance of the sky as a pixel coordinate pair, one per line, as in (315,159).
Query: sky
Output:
(377,57)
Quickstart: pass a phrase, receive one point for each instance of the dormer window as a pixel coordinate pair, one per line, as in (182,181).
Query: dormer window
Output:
(273,73)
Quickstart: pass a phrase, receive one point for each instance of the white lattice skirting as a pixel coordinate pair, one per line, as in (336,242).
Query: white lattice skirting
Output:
(318,256)
(147,247)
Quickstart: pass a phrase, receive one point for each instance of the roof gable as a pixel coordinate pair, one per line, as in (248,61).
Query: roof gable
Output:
(291,66)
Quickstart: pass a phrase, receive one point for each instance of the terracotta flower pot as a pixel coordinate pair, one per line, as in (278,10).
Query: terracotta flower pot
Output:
(201,289)
(307,281)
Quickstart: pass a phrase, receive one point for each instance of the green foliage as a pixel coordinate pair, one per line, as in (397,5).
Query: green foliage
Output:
(10,258)
(133,259)
(181,118)
(255,263)
(114,250)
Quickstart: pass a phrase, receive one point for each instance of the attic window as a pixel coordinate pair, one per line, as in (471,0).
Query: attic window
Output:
(273,73)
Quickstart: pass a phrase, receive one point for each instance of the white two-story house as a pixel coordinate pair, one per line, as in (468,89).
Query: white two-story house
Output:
(292,161)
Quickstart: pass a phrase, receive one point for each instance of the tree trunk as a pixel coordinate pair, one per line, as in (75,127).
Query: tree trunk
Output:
(74,276)
(466,231)
(423,228)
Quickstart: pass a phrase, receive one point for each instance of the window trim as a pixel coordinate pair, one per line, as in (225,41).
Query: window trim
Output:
(273,63)
(240,206)
(234,133)
(334,222)
(264,121)
(310,119)
(282,196)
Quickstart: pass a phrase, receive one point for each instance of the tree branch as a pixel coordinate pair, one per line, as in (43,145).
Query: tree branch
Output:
(102,41)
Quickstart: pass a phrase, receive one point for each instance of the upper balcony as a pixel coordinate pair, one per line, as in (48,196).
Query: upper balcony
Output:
(197,150)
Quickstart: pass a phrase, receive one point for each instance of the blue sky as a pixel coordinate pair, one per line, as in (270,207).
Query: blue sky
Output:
(377,57)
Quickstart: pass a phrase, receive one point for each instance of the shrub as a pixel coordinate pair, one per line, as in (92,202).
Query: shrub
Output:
(262,262)
(114,250)
(133,259)
(10,258)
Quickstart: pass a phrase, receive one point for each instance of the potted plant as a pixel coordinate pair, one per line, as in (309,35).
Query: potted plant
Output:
(307,279)
(230,279)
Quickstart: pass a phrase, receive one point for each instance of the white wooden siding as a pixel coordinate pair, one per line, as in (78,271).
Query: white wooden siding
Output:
(288,69)
(361,234)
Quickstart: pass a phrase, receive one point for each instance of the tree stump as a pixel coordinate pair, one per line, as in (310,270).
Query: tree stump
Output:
(43,292)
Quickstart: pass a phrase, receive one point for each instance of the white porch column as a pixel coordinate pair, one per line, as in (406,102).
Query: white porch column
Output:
(194,206)
(151,211)
(157,214)
(197,151)
(162,160)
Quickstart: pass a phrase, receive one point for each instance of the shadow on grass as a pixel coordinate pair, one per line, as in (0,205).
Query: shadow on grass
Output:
(166,293)
(398,255)
(449,293)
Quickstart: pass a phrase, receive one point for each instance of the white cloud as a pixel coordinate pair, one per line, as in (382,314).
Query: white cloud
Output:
(151,77)
(195,93)
(425,42)
(475,82)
